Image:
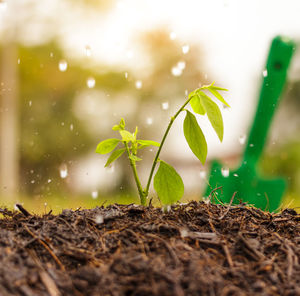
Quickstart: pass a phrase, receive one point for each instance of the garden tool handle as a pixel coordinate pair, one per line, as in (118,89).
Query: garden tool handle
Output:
(274,79)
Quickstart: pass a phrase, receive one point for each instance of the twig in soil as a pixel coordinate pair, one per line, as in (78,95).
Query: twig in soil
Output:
(22,210)
(44,276)
(227,253)
(46,247)
(228,207)
(168,247)
(213,191)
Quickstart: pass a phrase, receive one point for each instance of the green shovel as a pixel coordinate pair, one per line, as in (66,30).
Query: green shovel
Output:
(245,184)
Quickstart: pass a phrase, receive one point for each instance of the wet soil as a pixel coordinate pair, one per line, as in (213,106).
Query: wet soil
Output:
(194,249)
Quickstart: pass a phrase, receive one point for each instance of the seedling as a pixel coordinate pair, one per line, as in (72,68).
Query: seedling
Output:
(167,182)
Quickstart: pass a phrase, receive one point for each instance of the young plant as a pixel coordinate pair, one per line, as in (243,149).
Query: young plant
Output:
(167,182)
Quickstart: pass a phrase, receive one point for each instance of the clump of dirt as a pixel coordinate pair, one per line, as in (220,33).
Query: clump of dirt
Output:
(194,249)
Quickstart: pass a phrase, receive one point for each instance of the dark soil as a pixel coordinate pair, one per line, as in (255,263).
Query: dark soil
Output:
(194,249)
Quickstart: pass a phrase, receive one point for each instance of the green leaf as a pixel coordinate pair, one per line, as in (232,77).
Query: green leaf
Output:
(196,105)
(213,113)
(168,184)
(127,136)
(194,136)
(107,146)
(134,157)
(122,123)
(218,96)
(115,155)
(116,127)
(217,87)
(146,143)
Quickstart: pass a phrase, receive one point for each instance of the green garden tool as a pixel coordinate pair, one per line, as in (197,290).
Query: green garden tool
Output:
(245,184)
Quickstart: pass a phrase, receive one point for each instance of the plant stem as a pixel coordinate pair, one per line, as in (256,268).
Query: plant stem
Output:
(161,145)
(136,177)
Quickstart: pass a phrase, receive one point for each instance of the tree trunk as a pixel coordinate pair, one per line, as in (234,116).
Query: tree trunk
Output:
(9,158)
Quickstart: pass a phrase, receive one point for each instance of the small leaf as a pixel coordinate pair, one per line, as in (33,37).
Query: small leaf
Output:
(194,136)
(115,155)
(134,157)
(127,136)
(107,146)
(218,88)
(196,105)
(218,96)
(213,113)
(122,123)
(146,143)
(116,127)
(168,184)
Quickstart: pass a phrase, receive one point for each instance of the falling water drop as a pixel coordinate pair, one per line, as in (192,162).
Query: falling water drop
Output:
(62,65)
(71,127)
(173,35)
(242,139)
(90,82)
(181,65)
(126,75)
(63,171)
(138,84)
(176,71)
(30,103)
(225,172)
(88,51)
(149,120)
(94,194)
(202,174)
(165,105)
(49,181)
(185,49)
(265,73)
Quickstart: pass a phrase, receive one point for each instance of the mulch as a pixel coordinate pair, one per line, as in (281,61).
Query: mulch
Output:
(190,249)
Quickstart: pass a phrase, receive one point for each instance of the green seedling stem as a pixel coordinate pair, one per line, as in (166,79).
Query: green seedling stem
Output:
(162,143)
(167,182)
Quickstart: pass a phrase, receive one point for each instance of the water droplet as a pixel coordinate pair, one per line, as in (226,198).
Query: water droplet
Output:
(176,71)
(62,124)
(88,51)
(251,145)
(225,172)
(165,105)
(265,73)
(186,92)
(62,65)
(71,127)
(19,61)
(242,139)
(149,120)
(99,219)
(110,169)
(49,181)
(181,65)
(126,75)
(94,194)
(32,181)
(173,35)
(30,103)
(185,49)
(51,54)
(91,82)
(138,84)
(202,174)
(235,175)
(63,171)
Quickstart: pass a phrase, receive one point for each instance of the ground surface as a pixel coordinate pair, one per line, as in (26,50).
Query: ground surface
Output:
(194,249)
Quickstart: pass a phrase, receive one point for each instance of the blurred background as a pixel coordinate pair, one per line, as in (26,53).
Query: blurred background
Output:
(69,70)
